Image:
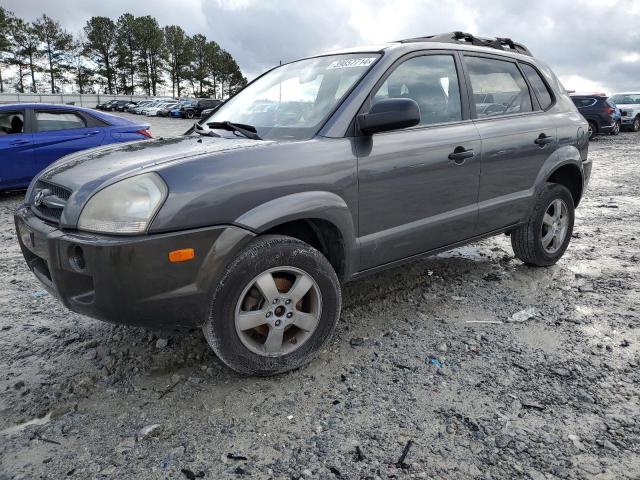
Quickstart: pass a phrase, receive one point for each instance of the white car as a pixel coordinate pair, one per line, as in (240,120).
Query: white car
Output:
(154,112)
(629,105)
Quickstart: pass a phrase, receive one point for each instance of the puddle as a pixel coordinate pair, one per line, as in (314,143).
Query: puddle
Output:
(18,428)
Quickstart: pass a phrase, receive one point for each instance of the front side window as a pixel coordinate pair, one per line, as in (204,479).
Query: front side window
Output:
(432,82)
(498,87)
(539,86)
(51,121)
(294,100)
(11,123)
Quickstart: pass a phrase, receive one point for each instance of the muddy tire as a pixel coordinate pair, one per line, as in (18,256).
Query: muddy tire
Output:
(275,306)
(544,238)
(616,129)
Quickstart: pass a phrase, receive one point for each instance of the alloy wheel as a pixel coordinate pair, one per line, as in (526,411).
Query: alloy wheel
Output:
(278,311)
(555,225)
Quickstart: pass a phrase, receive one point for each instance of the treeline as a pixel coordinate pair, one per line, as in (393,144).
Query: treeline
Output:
(128,56)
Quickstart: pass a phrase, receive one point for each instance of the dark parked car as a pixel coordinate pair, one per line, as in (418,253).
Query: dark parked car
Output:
(32,136)
(209,111)
(599,112)
(319,172)
(105,105)
(195,108)
(124,106)
(117,105)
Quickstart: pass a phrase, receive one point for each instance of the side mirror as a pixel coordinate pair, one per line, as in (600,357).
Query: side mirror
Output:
(390,114)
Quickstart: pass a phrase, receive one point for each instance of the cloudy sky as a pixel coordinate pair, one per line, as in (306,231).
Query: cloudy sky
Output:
(590,44)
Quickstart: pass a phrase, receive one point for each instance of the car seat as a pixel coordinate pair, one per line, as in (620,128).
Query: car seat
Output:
(16,125)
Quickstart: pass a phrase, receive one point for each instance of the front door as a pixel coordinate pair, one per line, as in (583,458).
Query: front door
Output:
(418,187)
(16,150)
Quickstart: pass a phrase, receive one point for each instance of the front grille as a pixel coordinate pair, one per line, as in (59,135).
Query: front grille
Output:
(46,212)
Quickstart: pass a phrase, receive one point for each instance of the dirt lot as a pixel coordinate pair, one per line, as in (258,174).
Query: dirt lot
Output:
(430,375)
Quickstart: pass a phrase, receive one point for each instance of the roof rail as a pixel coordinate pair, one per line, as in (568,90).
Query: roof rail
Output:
(499,43)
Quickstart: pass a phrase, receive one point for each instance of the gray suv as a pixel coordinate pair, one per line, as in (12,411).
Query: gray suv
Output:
(319,172)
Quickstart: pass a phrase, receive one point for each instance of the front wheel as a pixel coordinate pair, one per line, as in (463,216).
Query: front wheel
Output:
(546,235)
(275,306)
(190,114)
(593,129)
(636,124)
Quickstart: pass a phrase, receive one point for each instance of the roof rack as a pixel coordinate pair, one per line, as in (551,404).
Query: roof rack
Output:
(499,43)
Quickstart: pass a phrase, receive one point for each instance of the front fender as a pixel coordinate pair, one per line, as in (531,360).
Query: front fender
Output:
(320,205)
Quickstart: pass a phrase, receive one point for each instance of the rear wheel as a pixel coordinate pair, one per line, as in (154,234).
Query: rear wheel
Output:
(593,129)
(190,114)
(275,306)
(616,128)
(546,235)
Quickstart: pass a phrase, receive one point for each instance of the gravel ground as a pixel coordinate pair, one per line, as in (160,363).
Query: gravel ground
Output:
(161,126)
(466,365)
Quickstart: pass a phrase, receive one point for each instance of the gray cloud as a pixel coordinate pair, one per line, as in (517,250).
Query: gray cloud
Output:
(589,43)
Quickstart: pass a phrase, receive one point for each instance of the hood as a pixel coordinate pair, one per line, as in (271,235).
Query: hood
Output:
(629,106)
(86,172)
(102,164)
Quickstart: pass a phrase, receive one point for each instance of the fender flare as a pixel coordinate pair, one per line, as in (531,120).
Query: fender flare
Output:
(567,155)
(320,205)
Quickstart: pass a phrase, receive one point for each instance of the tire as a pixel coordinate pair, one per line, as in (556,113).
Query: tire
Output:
(616,129)
(190,114)
(527,240)
(636,124)
(593,129)
(277,258)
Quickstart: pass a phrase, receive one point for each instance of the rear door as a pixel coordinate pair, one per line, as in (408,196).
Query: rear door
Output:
(416,192)
(517,137)
(17,167)
(60,132)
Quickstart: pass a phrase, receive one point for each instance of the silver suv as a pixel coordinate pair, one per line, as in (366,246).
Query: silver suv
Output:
(629,105)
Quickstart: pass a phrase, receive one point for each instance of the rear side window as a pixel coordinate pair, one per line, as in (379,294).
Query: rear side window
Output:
(539,86)
(584,102)
(11,123)
(430,80)
(498,87)
(51,121)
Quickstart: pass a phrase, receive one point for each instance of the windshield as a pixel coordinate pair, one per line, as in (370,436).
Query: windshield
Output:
(292,101)
(626,99)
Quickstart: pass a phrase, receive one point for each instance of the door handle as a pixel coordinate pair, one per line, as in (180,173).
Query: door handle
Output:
(543,139)
(95,132)
(20,142)
(460,154)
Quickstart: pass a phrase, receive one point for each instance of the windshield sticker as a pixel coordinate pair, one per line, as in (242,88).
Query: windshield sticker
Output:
(351,62)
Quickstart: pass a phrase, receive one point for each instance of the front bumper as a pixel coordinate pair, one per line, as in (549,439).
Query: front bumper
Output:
(129,280)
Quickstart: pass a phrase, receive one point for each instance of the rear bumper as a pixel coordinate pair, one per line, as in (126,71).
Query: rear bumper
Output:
(129,280)
(605,129)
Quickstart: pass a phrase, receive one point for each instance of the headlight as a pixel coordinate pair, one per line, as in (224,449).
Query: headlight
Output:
(126,207)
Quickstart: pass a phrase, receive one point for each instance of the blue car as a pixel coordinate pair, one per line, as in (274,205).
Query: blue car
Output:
(35,135)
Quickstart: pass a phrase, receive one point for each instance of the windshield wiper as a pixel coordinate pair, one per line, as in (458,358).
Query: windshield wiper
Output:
(248,131)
